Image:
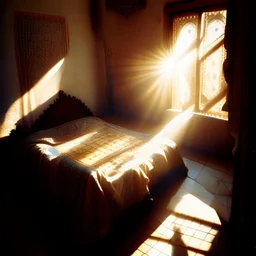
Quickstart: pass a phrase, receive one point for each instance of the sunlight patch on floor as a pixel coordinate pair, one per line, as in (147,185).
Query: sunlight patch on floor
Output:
(191,228)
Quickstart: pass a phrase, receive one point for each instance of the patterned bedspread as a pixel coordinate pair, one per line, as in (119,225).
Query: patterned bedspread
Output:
(99,169)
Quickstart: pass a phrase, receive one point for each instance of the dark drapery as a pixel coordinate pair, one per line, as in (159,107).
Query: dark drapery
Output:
(241,109)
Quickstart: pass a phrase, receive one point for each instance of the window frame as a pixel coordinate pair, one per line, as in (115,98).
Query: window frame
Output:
(172,10)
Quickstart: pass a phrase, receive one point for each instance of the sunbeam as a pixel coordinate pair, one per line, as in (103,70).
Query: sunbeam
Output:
(43,90)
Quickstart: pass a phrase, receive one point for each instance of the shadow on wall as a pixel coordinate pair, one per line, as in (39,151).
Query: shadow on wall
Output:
(96,22)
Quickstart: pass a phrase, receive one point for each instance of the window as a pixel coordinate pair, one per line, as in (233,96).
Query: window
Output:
(197,49)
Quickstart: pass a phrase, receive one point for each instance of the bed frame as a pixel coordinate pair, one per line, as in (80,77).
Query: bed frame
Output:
(58,187)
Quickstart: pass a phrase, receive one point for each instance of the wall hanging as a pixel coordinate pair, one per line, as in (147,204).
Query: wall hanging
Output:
(126,7)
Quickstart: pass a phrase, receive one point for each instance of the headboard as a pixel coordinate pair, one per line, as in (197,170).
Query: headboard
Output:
(64,109)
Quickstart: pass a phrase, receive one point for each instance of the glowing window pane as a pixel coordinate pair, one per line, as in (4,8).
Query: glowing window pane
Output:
(213,54)
(185,54)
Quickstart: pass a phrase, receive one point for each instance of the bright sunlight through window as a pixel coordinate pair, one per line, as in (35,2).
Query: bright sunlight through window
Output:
(198,53)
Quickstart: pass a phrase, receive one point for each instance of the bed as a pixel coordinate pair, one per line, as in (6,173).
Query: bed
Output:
(90,169)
